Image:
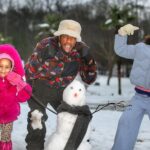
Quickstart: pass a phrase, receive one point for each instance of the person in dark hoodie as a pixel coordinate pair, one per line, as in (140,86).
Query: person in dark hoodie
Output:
(54,64)
(130,121)
(13,90)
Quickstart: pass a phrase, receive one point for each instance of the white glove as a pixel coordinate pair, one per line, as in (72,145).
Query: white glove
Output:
(127,29)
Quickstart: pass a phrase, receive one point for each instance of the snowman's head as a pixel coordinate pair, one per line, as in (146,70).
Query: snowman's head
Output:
(74,94)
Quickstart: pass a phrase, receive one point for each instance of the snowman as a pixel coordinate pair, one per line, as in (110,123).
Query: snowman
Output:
(67,129)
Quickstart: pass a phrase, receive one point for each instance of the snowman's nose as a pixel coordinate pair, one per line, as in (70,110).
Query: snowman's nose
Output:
(75,94)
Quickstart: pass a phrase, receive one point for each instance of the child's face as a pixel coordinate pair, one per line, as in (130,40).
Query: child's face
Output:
(5,67)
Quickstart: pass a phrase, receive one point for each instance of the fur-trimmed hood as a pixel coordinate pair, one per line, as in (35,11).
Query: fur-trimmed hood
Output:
(13,53)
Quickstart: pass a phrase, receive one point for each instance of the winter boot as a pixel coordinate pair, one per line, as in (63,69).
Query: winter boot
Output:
(5,145)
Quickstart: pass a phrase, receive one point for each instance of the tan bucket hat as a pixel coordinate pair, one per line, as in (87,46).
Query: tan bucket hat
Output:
(69,27)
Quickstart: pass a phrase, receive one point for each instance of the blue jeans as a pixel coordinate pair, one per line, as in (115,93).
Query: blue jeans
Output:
(130,121)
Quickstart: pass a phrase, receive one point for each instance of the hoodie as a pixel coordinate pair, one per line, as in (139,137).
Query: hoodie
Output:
(9,97)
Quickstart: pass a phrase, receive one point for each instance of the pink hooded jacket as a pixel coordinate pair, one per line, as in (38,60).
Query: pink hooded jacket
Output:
(9,99)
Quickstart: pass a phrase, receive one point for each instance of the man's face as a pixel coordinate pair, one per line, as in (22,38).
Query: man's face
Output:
(67,42)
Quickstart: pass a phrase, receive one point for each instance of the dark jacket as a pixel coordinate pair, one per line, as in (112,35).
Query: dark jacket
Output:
(50,62)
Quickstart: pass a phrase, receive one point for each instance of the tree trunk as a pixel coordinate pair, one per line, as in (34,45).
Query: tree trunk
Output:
(110,70)
(119,76)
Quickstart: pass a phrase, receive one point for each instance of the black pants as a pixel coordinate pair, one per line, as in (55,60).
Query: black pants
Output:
(35,138)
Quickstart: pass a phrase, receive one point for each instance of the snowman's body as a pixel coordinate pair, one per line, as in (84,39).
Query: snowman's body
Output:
(74,94)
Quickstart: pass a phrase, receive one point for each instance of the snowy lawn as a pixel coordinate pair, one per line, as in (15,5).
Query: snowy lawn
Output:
(104,123)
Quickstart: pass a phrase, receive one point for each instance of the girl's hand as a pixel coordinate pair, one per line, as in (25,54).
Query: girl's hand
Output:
(16,79)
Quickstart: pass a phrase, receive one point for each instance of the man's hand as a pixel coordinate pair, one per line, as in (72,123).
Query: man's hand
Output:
(83,49)
(127,30)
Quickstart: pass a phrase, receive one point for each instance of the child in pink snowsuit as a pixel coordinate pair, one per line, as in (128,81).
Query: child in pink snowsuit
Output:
(13,90)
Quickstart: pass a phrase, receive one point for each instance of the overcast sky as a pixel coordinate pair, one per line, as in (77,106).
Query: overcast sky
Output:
(146,3)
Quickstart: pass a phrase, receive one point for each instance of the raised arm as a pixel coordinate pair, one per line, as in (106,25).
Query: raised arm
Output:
(88,65)
(120,46)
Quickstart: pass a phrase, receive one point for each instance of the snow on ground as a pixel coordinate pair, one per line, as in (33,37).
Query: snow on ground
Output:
(104,93)
(104,123)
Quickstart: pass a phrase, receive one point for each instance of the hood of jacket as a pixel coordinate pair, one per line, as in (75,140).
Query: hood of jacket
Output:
(14,57)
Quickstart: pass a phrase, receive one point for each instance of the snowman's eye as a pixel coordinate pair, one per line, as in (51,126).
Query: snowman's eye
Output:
(71,87)
(80,90)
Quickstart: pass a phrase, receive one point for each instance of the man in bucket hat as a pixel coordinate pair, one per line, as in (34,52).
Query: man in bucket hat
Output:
(54,64)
